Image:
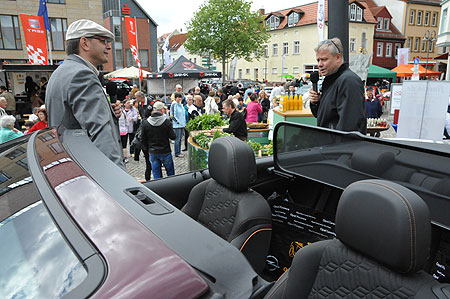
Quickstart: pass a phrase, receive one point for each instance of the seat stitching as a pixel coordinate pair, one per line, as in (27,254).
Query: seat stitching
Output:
(284,282)
(412,222)
(255,232)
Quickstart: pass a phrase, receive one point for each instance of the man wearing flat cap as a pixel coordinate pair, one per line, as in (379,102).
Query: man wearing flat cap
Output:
(75,97)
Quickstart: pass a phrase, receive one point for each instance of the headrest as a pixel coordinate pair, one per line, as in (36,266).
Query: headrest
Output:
(372,161)
(386,222)
(231,163)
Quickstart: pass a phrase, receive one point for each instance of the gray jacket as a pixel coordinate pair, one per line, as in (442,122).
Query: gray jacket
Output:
(75,99)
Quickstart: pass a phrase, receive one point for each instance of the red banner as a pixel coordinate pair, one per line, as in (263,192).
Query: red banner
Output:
(34,31)
(132,38)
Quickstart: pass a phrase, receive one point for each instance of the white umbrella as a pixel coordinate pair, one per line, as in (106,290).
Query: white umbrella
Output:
(129,73)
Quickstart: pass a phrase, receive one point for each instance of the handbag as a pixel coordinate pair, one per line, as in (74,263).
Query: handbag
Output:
(137,140)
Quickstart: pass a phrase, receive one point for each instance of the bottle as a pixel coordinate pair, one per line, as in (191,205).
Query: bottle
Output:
(296,102)
(300,102)
(291,103)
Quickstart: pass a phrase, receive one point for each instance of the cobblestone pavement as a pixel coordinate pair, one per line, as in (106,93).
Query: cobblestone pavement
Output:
(137,169)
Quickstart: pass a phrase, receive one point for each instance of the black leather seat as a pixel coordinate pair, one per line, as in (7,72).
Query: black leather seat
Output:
(383,236)
(225,204)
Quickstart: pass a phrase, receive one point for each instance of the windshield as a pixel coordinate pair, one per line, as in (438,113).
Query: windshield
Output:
(35,260)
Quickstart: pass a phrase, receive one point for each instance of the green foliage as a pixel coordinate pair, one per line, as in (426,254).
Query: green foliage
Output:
(226,29)
(205,122)
(203,141)
(254,145)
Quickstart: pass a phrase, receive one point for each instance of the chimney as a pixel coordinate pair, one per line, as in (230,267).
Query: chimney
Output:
(262,11)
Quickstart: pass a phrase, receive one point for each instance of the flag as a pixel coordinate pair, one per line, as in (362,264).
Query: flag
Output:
(167,59)
(43,12)
(320,18)
(132,38)
(402,56)
(33,29)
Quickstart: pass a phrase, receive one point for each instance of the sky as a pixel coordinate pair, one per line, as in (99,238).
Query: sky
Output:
(176,13)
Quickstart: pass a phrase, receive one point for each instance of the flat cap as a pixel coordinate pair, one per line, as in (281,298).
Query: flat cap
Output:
(87,28)
(158,106)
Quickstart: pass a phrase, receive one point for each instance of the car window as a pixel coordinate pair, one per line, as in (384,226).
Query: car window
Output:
(35,260)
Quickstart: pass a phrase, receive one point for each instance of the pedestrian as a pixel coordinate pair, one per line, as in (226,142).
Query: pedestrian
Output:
(197,108)
(373,105)
(247,93)
(30,87)
(340,103)
(42,123)
(237,126)
(178,89)
(8,131)
(156,132)
(189,103)
(178,116)
(265,105)
(11,107)
(3,105)
(253,109)
(210,104)
(126,127)
(75,97)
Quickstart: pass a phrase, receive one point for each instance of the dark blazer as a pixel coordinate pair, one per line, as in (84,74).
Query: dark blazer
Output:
(237,126)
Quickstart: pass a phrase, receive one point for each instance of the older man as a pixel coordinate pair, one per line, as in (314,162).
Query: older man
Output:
(11,107)
(237,126)
(197,108)
(75,97)
(3,105)
(340,104)
(178,89)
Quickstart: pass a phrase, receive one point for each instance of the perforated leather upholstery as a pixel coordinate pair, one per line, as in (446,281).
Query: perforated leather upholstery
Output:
(374,218)
(225,204)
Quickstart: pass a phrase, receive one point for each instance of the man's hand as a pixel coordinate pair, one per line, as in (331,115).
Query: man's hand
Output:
(314,97)
(117,109)
(15,130)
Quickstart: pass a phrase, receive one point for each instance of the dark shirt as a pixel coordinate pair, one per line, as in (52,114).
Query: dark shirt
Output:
(341,106)
(156,132)
(373,108)
(238,126)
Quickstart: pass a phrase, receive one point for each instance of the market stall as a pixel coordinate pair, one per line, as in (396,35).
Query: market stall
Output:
(303,116)
(407,70)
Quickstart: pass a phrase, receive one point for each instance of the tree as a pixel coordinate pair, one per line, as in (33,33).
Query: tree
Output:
(226,29)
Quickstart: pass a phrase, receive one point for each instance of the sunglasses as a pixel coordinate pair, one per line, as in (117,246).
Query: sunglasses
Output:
(101,39)
(330,41)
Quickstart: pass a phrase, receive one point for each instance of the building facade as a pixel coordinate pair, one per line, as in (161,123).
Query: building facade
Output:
(293,37)
(114,13)
(60,12)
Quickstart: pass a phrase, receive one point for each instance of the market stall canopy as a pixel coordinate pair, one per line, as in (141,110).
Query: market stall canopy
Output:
(376,71)
(184,68)
(407,70)
(129,73)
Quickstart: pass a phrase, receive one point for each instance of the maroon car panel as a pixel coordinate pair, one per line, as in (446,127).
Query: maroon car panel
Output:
(140,265)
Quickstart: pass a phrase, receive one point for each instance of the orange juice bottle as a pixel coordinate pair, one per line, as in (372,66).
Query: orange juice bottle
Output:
(291,103)
(300,102)
(296,102)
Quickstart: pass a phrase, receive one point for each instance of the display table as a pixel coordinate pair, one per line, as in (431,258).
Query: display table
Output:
(375,131)
(303,116)
(198,157)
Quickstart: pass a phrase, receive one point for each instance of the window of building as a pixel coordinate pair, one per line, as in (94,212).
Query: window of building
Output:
(285,70)
(293,19)
(419,17)
(379,49)
(389,50)
(359,13)
(57,1)
(274,49)
(380,23)
(434,19)
(240,73)
(247,71)
(266,51)
(410,39)
(143,57)
(119,59)
(426,22)
(296,47)
(363,40)
(10,33)
(286,48)
(256,72)
(424,46)
(265,71)
(430,47)
(412,16)
(296,70)
(309,68)
(444,20)
(273,22)
(58,29)
(397,46)
(130,58)
(353,12)
(417,44)
(352,47)
(274,70)
(386,24)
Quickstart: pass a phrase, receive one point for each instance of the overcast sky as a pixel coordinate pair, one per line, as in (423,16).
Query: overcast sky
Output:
(173,14)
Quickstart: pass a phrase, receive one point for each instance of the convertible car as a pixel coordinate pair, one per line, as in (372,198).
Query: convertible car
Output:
(329,215)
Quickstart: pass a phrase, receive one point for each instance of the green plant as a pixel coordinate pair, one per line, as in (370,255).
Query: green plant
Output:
(254,145)
(205,122)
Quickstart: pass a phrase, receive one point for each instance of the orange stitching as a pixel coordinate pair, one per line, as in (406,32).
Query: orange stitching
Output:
(259,230)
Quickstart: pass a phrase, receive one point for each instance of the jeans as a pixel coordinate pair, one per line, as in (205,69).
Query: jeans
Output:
(166,159)
(179,135)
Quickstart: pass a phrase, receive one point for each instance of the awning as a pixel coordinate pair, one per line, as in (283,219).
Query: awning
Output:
(380,72)
(129,73)
(406,70)
(442,56)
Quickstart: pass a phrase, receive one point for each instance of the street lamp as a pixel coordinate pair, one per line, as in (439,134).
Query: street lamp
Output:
(428,37)
(265,69)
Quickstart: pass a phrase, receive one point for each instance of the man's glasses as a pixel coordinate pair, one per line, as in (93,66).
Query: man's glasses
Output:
(328,41)
(101,39)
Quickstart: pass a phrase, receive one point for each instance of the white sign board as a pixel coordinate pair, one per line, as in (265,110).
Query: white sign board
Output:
(396,96)
(423,108)
(402,56)
(359,64)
